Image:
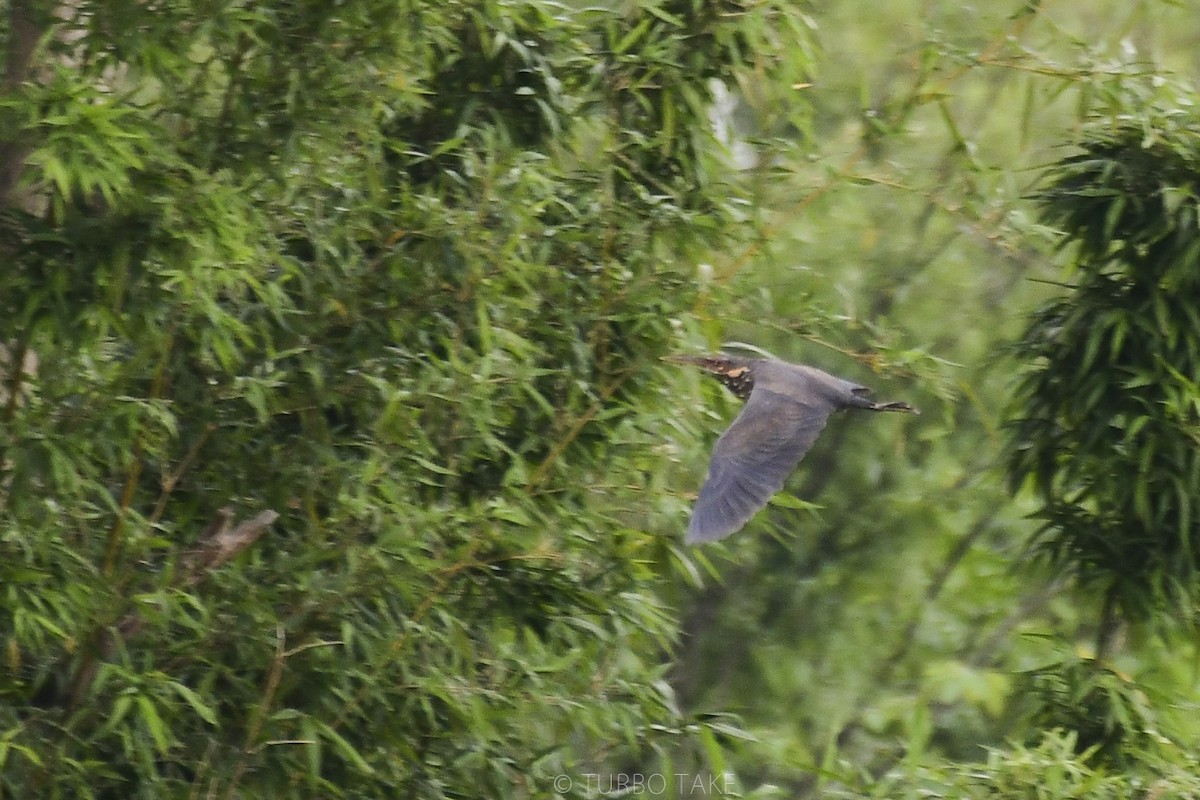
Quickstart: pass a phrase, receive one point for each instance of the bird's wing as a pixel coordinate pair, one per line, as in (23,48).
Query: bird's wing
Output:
(752,459)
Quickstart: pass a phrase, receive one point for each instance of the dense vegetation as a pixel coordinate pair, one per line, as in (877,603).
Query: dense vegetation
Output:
(337,458)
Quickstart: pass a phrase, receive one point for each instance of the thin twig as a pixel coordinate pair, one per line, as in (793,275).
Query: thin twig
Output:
(218,544)
(135,470)
(787,216)
(171,481)
(260,712)
(398,643)
(932,592)
(543,469)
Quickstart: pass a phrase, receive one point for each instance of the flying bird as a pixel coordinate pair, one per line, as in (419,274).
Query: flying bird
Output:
(787,406)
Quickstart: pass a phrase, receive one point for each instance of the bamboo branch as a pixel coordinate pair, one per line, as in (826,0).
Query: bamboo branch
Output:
(172,480)
(218,544)
(116,533)
(542,471)
(260,711)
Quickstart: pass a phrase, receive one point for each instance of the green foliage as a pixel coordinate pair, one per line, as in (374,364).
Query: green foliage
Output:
(401,274)
(1110,406)
(1046,770)
(1110,718)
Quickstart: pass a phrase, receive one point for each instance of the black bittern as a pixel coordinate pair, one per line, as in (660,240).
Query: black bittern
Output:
(787,406)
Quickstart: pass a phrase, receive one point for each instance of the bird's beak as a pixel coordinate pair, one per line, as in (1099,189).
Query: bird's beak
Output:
(895,406)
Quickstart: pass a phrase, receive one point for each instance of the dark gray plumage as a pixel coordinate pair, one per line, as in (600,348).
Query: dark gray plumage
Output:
(787,406)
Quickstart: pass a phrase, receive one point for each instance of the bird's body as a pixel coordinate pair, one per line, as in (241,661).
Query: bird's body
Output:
(787,406)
